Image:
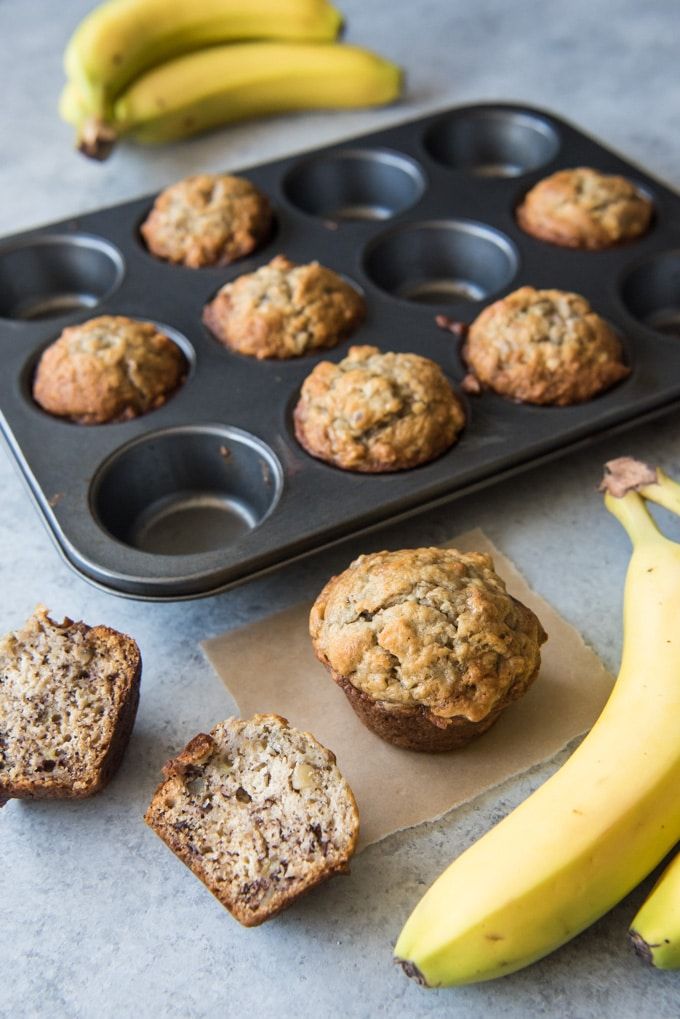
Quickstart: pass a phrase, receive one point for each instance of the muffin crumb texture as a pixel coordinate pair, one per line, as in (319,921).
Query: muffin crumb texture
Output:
(68,699)
(544,347)
(584,208)
(283,310)
(377,412)
(426,635)
(207,219)
(111,368)
(260,813)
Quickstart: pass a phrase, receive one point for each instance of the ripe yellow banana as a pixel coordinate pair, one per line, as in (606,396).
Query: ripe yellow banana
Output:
(225,83)
(655,931)
(121,39)
(595,829)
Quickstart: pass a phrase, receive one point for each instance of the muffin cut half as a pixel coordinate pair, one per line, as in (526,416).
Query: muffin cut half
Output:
(68,700)
(427,644)
(259,811)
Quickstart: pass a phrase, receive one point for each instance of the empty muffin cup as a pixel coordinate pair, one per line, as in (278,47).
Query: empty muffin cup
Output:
(359,184)
(651,293)
(441,262)
(54,275)
(187,490)
(492,143)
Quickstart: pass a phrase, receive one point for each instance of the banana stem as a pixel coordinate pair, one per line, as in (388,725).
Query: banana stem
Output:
(664,492)
(633,515)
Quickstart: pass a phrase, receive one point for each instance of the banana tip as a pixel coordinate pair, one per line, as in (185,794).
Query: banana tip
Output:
(641,947)
(625,474)
(412,971)
(96,139)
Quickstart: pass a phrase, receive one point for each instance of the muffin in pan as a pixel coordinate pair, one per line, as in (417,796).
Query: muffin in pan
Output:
(207,219)
(283,310)
(110,368)
(543,347)
(427,644)
(376,412)
(584,208)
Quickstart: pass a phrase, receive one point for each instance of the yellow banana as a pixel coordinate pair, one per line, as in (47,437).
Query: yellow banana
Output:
(655,931)
(225,83)
(600,824)
(121,39)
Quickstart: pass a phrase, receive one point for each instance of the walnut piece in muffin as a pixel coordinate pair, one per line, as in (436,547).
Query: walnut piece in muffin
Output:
(377,412)
(283,310)
(110,368)
(260,813)
(544,347)
(208,219)
(584,208)
(426,643)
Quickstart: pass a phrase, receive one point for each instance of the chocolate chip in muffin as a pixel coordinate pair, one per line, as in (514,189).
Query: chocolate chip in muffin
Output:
(584,208)
(426,643)
(110,368)
(283,310)
(208,219)
(544,347)
(377,412)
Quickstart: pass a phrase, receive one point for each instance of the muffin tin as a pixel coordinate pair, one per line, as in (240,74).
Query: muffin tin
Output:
(212,488)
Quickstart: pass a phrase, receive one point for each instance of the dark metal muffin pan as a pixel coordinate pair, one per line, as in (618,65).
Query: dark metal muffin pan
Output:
(212,488)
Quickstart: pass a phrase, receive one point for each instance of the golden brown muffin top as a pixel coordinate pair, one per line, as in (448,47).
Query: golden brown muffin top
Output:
(208,219)
(109,368)
(431,627)
(583,208)
(377,412)
(544,347)
(283,310)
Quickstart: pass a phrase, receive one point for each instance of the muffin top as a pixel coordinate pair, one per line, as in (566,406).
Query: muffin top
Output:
(283,310)
(110,368)
(209,219)
(544,347)
(428,627)
(377,412)
(583,208)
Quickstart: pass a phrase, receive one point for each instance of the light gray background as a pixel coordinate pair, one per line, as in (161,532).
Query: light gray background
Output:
(97,918)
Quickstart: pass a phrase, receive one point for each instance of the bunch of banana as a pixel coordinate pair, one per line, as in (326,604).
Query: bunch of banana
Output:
(601,823)
(158,70)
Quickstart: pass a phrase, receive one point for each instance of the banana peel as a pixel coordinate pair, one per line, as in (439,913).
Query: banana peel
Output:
(601,823)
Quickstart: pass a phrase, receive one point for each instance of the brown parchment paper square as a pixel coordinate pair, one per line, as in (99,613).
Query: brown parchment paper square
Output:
(270,667)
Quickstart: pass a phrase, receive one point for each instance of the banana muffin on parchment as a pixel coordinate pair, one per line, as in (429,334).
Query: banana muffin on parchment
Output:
(208,219)
(543,347)
(68,699)
(283,310)
(259,811)
(426,643)
(584,208)
(376,412)
(110,368)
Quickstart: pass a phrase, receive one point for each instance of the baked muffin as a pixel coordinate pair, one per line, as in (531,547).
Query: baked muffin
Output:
(583,208)
(283,310)
(68,699)
(110,368)
(377,412)
(259,812)
(209,219)
(426,643)
(543,347)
